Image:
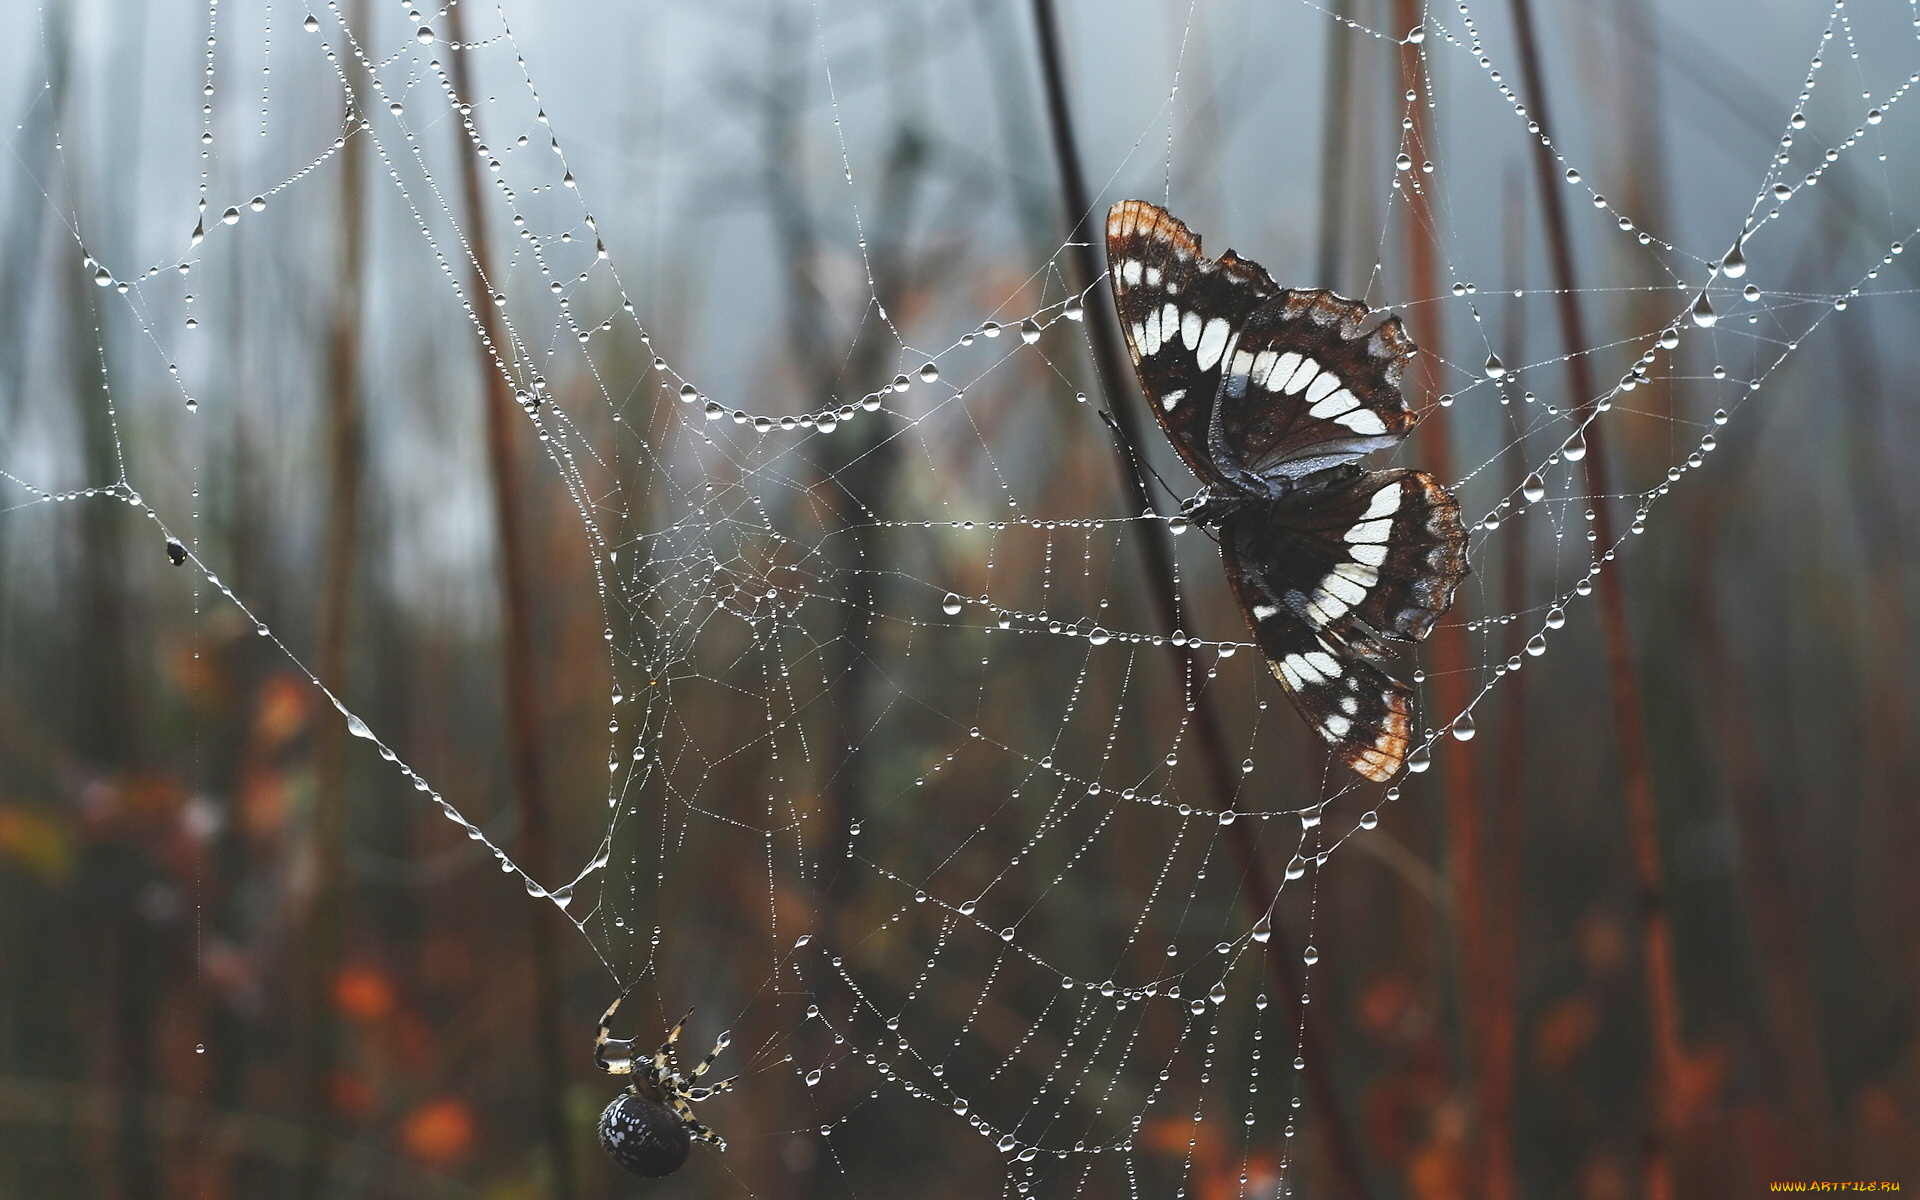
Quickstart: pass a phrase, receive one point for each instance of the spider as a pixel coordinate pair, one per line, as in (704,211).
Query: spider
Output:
(649,1128)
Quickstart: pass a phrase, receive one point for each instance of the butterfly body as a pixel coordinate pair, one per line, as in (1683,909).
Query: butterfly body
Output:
(1271,396)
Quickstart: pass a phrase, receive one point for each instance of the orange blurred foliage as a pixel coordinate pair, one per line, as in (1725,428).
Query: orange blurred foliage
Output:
(363,993)
(439,1133)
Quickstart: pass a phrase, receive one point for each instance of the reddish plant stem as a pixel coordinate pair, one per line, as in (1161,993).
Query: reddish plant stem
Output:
(1111,366)
(1636,768)
(1460,766)
(545,926)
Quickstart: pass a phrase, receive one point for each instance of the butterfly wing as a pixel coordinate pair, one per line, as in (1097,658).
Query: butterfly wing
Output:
(1179,311)
(1305,388)
(1329,575)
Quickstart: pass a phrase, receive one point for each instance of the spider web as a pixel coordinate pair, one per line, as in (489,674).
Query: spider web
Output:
(878,652)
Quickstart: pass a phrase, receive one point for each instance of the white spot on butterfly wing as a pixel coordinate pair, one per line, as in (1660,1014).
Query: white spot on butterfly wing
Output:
(1323,662)
(1153,276)
(1386,500)
(1172,399)
(1280,370)
(1372,555)
(1325,383)
(1362,576)
(1213,342)
(1150,336)
(1302,376)
(1334,403)
(1338,725)
(1371,531)
(1362,420)
(1130,272)
(1262,612)
(1339,585)
(1349,705)
(1169,321)
(1190,329)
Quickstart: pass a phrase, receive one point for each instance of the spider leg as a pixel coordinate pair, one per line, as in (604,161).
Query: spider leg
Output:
(621,1061)
(694,1127)
(707,1093)
(720,1043)
(663,1057)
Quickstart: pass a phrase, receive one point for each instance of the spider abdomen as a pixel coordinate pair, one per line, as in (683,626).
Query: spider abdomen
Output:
(646,1138)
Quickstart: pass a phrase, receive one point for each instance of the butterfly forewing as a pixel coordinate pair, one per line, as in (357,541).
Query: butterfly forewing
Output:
(1180,311)
(1307,387)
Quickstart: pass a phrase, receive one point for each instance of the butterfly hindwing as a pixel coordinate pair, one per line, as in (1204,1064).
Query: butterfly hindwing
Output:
(1364,713)
(1179,311)
(1307,387)
(1338,570)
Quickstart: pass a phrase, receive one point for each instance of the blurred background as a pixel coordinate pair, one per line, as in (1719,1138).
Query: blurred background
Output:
(643,518)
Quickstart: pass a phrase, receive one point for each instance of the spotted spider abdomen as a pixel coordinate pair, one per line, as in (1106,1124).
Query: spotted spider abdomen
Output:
(646,1138)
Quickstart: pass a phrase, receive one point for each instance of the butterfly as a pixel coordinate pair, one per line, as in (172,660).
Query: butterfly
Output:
(1271,395)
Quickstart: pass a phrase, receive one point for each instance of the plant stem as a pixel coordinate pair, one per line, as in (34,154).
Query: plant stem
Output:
(522,682)
(1636,769)
(1111,367)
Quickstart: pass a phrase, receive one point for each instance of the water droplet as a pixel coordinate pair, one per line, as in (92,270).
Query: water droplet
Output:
(1310,956)
(1720,416)
(1495,368)
(424,35)
(951,605)
(1263,930)
(1006,935)
(230,217)
(102,277)
(1798,120)
(1219,993)
(1369,820)
(1556,617)
(1536,645)
(1750,293)
(358,728)
(1419,760)
(1874,115)
(1073,311)
(1462,727)
(1670,338)
(1029,331)
(258,204)
(1573,176)
(929,374)
(1734,265)
(1703,314)
(1533,488)
(1178,525)
(1403,163)
(813,1078)
(1576,447)
(311,24)
(688,393)
(802,940)
(1099,637)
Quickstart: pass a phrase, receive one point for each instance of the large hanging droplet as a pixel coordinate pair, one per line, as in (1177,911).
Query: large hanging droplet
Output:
(929,374)
(1536,645)
(1219,993)
(1576,447)
(1419,760)
(1703,314)
(1495,368)
(1734,265)
(1263,930)
(951,605)
(1533,488)
(1463,728)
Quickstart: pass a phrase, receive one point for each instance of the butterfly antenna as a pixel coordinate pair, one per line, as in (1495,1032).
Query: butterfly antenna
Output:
(1139,464)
